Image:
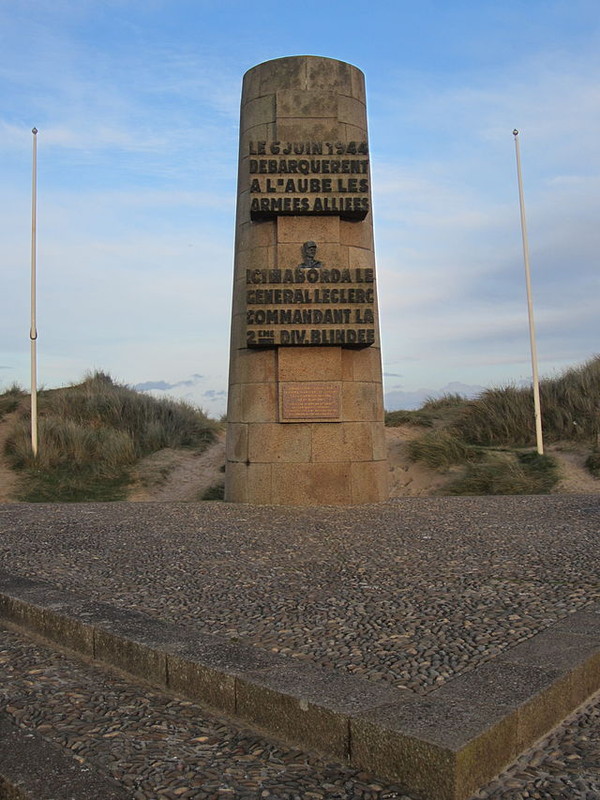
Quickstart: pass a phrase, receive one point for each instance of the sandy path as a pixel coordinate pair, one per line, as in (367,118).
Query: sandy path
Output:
(175,475)
(8,477)
(575,478)
(408,479)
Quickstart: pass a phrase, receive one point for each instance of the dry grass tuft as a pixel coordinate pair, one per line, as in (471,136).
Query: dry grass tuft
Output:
(92,433)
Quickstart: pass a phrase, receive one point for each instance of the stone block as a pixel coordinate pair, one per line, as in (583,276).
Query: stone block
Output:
(347,441)
(258,111)
(544,710)
(301,703)
(248,483)
(61,626)
(22,613)
(236,486)
(353,111)
(363,365)
(370,482)
(352,132)
(443,750)
(586,622)
(59,616)
(136,658)
(379,441)
(360,257)
(536,698)
(237,442)
(259,402)
(238,308)
(255,234)
(290,73)
(242,208)
(199,682)
(298,230)
(134,642)
(311,484)
(205,667)
(234,403)
(261,257)
(260,482)
(274,443)
(319,130)
(251,84)
(298,103)
(309,364)
(356,234)
(254,366)
(360,401)
(260,132)
(326,73)
(238,327)
(357,84)
(573,658)
(504,684)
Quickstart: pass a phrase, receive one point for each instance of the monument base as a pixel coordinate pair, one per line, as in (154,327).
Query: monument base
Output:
(313,432)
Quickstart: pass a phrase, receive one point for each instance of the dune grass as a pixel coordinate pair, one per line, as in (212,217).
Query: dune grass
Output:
(90,436)
(395,418)
(506,473)
(10,400)
(440,449)
(592,463)
(472,433)
(570,407)
(216,492)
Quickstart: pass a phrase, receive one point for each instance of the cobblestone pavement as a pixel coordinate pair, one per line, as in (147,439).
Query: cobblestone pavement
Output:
(410,592)
(161,747)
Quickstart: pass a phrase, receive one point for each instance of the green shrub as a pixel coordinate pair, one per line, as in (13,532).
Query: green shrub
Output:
(448,400)
(216,492)
(395,418)
(440,449)
(569,405)
(10,399)
(592,463)
(529,473)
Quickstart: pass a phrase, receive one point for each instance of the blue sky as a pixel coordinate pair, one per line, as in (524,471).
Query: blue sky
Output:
(137,109)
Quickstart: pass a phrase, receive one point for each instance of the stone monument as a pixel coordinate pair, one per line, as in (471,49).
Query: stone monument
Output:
(305,407)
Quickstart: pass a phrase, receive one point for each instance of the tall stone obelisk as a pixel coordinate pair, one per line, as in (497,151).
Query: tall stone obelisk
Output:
(305,408)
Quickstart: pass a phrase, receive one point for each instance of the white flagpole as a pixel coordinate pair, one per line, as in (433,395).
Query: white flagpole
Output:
(33,328)
(534,368)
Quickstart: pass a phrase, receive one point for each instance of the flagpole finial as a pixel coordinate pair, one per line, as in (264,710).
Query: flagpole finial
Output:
(515,132)
(34,131)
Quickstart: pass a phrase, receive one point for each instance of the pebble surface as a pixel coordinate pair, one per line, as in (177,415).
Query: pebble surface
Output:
(409,592)
(161,747)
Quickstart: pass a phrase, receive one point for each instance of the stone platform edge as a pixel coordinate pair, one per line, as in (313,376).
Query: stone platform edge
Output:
(442,746)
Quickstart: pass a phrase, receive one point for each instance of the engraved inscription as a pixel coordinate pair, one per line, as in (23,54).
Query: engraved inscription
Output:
(310,305)
(316,178)
(310,401)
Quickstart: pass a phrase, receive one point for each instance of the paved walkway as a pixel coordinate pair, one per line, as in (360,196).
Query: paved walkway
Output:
(407,593)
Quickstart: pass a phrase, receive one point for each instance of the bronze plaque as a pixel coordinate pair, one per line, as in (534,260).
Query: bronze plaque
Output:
(310,402)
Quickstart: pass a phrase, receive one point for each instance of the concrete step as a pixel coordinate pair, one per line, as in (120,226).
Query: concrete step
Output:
(443,746)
